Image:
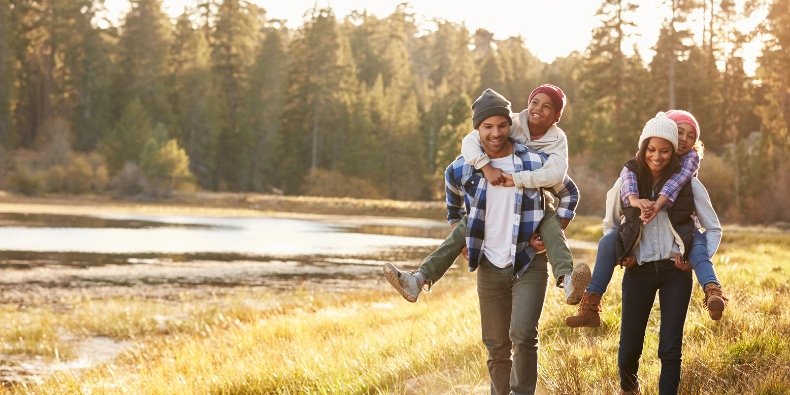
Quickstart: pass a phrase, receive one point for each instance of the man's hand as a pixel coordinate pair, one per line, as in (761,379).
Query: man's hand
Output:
(494,175)
(508,181)
(536,242)
(628,262)
(680,264)
(465,252)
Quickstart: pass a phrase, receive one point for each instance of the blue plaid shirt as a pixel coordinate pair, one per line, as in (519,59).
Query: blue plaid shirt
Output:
(465,187)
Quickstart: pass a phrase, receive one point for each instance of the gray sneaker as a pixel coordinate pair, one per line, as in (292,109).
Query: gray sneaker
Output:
(404,282)
(576,283)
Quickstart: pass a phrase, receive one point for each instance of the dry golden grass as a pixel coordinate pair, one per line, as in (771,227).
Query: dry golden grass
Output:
(371,342)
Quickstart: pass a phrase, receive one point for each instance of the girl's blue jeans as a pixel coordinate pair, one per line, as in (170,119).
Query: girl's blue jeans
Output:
(605,262)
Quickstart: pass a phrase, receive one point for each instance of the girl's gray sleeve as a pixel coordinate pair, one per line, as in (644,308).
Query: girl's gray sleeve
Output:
(707,216)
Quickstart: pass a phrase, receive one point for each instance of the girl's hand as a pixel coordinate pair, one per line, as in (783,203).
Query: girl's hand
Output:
(644,205)
(680,264)
(652,214)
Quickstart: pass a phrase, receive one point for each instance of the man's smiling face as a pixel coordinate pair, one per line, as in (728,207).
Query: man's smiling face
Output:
(494,133)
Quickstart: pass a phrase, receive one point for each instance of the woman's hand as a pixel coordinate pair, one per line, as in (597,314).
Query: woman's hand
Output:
(537,243)
(681,264)
(495,176)
(628,262)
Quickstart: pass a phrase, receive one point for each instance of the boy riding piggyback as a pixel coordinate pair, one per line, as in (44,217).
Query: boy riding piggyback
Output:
(534,127)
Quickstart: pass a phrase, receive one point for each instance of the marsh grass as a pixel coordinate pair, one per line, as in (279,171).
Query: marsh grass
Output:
(373,342)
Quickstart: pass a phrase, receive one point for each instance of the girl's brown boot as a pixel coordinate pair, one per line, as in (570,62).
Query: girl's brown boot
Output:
(714,301)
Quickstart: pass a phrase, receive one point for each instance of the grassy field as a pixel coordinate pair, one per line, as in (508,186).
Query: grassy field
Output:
(373,342)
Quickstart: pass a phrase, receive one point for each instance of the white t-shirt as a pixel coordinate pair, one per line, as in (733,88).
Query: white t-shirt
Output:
(500,202)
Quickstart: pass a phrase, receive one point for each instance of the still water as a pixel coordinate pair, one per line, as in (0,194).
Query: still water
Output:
(249,237)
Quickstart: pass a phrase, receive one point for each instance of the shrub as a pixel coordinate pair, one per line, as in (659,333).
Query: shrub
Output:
(719,179)
(129,181)
(593,185)
(25,181)
(56,178)
(328,183)
(79,175)
(101,178)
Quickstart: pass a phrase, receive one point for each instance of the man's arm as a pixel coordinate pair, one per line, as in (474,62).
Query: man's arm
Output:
(455,197)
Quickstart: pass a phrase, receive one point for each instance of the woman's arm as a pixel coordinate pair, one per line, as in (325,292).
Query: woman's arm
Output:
(707,216)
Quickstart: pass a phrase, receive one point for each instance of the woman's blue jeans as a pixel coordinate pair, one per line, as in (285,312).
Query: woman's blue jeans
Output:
(640,284)
(605,262)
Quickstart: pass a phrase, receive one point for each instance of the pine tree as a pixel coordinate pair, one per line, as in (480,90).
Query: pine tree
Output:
(7,86)
(320,81)
(774,64)
(144,47)
(126,141)
(194,100)
(262,124)
(236,35)
(606,68)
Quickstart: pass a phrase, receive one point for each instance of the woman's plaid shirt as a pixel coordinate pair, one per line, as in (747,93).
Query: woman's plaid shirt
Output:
(465,187)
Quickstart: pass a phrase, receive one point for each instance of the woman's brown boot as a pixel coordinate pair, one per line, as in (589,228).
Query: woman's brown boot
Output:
(714,301)
(589,314)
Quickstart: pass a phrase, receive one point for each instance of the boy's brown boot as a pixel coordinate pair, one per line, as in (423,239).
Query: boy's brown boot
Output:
(589,314)
(714,301)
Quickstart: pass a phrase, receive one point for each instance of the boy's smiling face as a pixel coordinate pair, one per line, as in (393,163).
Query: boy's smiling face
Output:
(541,111)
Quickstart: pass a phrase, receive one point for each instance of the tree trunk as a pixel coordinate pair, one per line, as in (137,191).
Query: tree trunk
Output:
(672,58)
(315,136)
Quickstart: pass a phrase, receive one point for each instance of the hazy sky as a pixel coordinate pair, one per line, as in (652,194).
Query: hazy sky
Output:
(552,28)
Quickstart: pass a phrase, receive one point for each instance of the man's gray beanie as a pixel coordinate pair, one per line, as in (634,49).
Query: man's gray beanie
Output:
(488,105)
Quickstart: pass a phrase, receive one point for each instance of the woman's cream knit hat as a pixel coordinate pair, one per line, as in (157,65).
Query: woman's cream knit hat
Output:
(660,126)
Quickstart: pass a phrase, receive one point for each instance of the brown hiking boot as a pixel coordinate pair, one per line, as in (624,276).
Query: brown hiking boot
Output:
(714,301)
(636,391)
(589,314)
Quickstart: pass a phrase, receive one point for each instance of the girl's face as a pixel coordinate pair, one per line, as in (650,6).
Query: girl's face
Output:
(687,136)
(658,153)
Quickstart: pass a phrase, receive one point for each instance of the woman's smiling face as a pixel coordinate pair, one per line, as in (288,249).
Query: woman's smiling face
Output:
(658,153)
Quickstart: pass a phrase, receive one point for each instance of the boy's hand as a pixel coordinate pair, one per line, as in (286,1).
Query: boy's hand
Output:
(680,264)
(508,181)
(536,242)
(628,262)
(494,175)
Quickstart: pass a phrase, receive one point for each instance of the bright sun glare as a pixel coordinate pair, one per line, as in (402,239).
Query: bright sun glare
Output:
(565,29)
